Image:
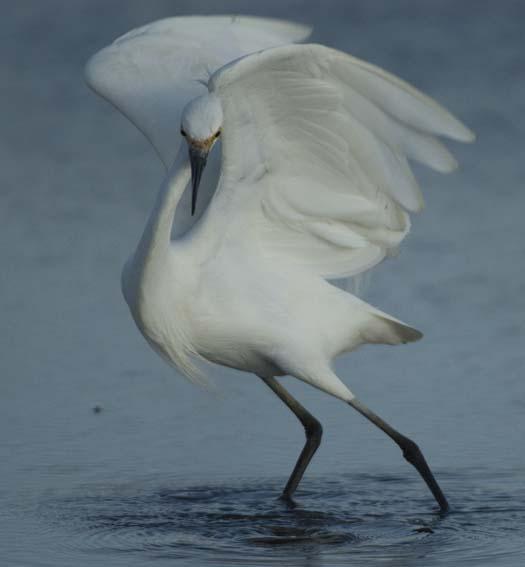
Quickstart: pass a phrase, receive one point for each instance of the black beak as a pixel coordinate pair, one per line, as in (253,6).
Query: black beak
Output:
(198,161)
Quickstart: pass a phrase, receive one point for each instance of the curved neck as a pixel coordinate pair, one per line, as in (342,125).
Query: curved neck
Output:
(156,237)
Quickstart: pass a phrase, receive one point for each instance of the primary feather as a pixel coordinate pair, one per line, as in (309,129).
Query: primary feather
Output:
(325,180)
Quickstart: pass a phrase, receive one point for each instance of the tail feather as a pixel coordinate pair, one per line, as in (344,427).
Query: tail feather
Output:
(386,330)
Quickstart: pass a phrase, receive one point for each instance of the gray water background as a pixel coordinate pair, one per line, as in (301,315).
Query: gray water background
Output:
(169,474)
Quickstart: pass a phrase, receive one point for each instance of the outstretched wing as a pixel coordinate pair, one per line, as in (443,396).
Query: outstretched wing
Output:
(315,148)
(152,72)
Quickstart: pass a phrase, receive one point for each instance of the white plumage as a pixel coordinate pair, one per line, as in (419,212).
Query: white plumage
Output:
(314,184)
(152,72)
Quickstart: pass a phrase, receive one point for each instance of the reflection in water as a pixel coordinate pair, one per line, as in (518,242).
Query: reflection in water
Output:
(357,520)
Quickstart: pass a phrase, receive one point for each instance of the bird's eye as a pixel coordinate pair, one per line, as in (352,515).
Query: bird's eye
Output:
(182,132)
(217,134)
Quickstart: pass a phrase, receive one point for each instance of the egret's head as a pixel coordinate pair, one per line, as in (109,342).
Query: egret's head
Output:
(201,126)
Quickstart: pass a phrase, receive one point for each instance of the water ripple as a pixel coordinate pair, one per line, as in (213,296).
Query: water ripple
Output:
(355,520)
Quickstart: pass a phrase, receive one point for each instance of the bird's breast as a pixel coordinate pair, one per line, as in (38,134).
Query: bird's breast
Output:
(159,300)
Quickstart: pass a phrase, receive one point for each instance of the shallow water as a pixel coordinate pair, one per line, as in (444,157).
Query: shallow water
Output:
(108,458)
(354,519)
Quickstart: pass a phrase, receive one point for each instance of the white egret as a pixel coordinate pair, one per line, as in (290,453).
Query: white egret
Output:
(314,184)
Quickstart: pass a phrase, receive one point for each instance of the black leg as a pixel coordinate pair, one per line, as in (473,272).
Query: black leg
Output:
(410,450)
(312,428)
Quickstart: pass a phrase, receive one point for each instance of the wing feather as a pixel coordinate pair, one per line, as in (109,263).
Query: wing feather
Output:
(152,72)
(316,145)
